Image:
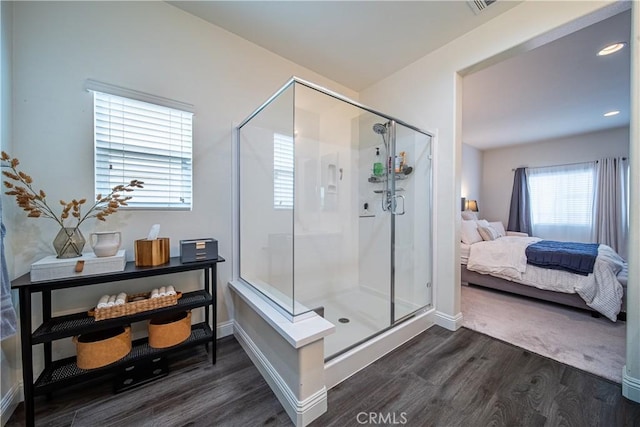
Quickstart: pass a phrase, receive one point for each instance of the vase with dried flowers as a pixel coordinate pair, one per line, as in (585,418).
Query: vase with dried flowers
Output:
(69,241)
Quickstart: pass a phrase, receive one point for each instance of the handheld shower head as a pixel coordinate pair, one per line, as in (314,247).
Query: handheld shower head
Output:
(380,129)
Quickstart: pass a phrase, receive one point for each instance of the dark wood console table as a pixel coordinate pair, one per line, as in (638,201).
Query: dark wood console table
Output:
(65,372)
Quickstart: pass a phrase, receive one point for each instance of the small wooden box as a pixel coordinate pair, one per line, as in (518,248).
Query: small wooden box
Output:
(149,253)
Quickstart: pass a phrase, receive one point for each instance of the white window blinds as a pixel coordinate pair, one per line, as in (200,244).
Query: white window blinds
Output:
(283,156)
(145,141)
(562,201)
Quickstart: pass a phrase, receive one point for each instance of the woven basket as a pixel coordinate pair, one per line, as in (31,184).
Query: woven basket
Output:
(135,304)
(171,330)
(102,348)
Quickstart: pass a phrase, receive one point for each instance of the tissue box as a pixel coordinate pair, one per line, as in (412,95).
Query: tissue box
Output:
(198,250)
(149,253)
(51,268)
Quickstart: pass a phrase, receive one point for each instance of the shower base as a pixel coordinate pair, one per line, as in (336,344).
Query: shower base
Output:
(365,311)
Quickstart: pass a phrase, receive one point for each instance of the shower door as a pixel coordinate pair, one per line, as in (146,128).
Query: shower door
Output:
(410,222)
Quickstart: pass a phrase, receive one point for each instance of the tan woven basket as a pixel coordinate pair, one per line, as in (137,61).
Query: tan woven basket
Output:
(171,330)
(102,348)
(135,304)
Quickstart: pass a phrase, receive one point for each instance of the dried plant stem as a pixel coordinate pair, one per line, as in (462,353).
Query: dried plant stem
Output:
(35,203)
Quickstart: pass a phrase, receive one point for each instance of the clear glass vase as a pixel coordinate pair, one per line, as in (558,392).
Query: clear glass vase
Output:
(69,243)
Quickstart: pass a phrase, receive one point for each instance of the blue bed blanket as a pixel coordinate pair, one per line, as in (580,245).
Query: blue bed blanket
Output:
(574,257)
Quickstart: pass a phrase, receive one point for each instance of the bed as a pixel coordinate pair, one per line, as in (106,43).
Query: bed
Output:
(500,263)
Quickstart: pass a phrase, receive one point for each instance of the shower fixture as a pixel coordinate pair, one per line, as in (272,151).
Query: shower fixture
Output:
(390,198)
(380,129)
(387,199)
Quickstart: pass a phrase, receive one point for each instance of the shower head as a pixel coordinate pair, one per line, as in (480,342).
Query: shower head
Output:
(380,129)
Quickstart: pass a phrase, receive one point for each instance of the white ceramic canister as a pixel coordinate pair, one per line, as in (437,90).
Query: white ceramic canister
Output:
(105,243)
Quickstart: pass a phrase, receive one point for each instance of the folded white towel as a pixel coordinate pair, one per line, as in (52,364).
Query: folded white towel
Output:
(162,292)
(171,290)
(102,303)
(112,301)
(154,293)
(121,298)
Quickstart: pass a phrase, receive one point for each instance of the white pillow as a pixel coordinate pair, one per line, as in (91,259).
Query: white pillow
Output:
(482,223)
(499,227)
(469,215)
(488,233)
(469,232)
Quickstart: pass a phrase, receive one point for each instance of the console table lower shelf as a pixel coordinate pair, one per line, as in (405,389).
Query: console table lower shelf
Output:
(65,372)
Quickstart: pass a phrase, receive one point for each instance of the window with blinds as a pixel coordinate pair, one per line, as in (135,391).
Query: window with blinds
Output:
(283,157)
(562,201)
(142,140)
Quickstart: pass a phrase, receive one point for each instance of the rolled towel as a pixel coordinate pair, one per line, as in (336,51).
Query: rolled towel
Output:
(171,290)
(154,293)
(121,298)
(102,303)
(162,292)
(112,301)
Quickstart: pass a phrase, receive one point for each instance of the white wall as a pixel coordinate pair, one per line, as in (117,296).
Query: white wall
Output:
(497,178)
(471,175)
(428,94)
(151,47)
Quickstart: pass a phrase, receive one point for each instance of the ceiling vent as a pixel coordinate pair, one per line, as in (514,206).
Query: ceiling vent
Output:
(479,5)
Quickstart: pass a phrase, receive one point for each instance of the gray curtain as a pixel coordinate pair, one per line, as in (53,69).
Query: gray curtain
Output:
(610,206)
(520,210)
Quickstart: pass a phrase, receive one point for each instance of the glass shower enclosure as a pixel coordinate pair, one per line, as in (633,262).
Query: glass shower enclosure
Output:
(335,212)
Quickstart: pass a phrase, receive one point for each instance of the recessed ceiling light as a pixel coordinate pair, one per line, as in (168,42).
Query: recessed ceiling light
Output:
(612,48)
(611,113)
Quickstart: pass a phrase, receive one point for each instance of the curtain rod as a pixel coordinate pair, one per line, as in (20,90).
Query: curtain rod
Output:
(565,164)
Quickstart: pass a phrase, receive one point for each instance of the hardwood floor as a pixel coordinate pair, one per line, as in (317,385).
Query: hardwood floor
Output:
(439,378)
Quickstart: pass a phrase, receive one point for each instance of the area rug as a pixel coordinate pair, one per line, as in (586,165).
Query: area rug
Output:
(570,336)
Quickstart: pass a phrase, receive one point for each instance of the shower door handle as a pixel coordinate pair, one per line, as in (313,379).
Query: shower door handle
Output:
(395,198)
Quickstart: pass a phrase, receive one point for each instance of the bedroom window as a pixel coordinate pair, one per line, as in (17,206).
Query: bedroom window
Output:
(283,156)
(140,136)
(562,201)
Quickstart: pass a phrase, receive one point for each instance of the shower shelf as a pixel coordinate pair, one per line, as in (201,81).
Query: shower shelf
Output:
(376,179)
(382,191)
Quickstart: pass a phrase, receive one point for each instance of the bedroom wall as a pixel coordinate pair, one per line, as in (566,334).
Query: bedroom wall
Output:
(497,177)
(151,47)
(471,175)
(428,94)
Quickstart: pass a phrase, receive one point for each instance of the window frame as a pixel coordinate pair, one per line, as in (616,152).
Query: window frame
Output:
(163,145)
(563,187)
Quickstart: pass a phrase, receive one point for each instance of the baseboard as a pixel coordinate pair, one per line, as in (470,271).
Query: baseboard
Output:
(10,402)
(301,412)
(630,386)
(452,323)
(224,329)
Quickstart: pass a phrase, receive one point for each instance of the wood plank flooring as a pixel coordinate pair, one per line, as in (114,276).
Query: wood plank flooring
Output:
(439,378)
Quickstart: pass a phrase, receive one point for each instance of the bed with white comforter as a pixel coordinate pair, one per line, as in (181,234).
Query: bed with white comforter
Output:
(505,258)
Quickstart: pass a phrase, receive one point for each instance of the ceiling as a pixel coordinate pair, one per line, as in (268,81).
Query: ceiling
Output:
(559,89)
(355,43)
(556,90)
